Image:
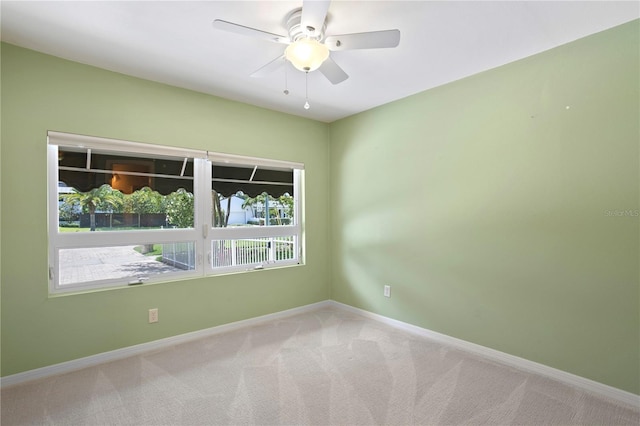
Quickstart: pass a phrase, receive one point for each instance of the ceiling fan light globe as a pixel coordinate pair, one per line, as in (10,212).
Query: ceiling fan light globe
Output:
(306,54)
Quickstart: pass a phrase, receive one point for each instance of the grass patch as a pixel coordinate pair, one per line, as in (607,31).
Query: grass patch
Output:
(65,229)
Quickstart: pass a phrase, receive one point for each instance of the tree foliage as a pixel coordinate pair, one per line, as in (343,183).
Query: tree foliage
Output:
(217,216)
(179,206)
(144,201)
(89,201)
(220,216)
(67,211)
(285,202)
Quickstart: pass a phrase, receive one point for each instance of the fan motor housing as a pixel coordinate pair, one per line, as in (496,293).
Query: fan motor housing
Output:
(294,27)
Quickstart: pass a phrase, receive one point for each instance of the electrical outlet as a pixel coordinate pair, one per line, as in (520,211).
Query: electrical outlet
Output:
(387,291)
(153,315)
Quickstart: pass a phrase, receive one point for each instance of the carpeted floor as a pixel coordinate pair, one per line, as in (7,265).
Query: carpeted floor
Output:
(327,367)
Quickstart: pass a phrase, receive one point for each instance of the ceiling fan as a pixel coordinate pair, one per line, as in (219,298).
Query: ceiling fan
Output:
(308,47)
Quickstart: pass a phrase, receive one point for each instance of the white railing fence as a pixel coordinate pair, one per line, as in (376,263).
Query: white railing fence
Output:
(226,253)
(252,251)
(179,255)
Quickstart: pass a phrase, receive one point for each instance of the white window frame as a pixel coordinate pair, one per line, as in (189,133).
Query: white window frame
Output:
(203,234)
(232,233)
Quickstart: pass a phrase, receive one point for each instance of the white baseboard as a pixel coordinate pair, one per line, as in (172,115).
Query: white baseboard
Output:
(80,363)
(582,383)
(511,360)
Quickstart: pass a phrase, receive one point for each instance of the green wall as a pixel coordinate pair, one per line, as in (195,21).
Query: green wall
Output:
(483,203)
(41,93)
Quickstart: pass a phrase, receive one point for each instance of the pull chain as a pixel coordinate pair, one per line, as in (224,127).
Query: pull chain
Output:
(306,91)
(286,84)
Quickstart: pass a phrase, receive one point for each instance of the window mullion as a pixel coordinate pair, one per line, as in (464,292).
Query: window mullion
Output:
(115,238)
(203,208)
(252,232)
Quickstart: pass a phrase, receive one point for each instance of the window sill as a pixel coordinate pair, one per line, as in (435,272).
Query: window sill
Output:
(84,291)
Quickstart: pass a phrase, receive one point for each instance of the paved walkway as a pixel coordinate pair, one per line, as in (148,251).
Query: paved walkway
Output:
(92,264)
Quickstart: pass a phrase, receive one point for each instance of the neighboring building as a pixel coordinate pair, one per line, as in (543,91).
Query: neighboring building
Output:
(238,215)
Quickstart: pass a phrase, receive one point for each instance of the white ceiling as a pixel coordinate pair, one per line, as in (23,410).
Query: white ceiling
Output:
(175,43)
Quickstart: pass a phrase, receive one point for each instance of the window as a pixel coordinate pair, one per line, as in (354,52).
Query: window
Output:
(256,219)
(125,213)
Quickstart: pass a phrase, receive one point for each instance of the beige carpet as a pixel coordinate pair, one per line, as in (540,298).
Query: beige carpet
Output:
(327,367)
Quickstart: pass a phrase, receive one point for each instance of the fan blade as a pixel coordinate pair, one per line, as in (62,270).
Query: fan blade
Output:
(371,40)
(332,71)
(247,31)
(314,12)
(269,68)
